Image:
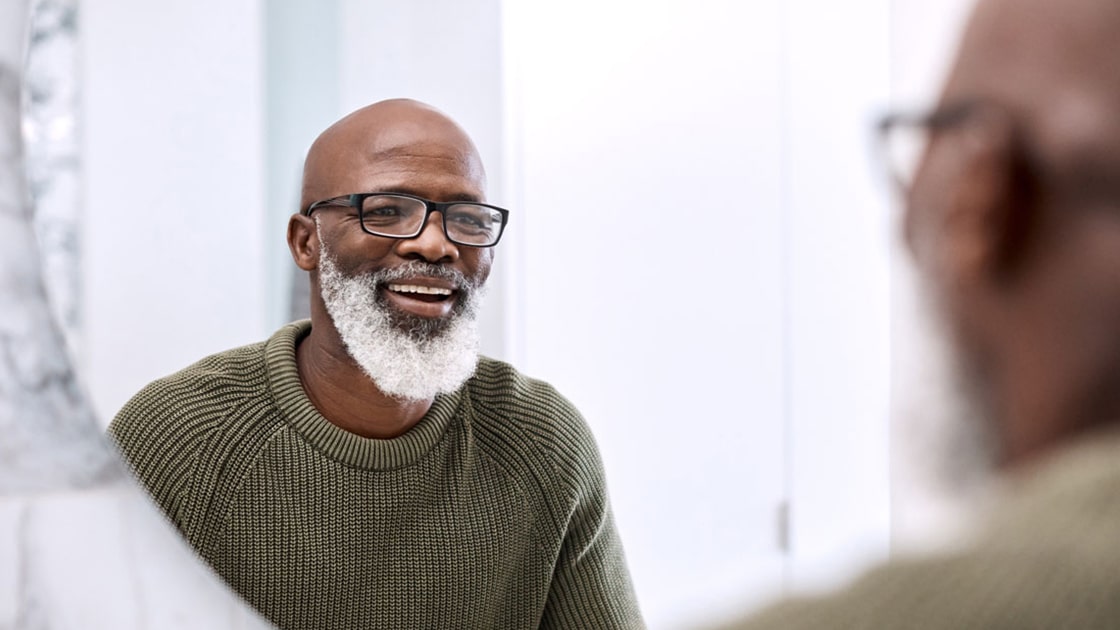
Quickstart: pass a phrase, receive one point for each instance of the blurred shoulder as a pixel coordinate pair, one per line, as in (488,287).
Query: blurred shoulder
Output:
(976,588)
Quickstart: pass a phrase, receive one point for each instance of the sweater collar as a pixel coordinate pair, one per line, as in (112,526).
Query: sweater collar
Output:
(351,449)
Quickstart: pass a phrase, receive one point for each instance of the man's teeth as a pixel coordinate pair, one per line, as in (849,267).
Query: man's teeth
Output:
(413,288)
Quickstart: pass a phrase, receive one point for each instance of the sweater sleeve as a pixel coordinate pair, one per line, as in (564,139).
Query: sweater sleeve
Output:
(591,586)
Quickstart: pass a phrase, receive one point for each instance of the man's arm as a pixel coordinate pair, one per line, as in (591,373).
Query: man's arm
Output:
(160,444)
(545,439)
(591,586)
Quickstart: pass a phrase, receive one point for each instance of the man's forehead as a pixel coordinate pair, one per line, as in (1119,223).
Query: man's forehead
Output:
(416,152)
(406,160)
(424,175)
(986,49)
(395,141)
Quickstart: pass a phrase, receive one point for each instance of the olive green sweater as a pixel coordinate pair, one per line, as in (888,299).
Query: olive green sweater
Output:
(1048,559)
(491,512)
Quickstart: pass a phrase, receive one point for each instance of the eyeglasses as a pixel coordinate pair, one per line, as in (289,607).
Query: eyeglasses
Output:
(904,138)
(397,215)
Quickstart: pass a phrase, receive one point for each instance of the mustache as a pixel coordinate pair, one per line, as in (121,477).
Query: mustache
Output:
(414,268)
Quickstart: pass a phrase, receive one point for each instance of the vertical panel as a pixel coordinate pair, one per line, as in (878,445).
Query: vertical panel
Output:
(174,182)
(302,99)
(837,73)
(652,262)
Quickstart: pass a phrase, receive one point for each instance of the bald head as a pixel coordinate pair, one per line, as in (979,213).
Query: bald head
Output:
(411,134)
(1053,63)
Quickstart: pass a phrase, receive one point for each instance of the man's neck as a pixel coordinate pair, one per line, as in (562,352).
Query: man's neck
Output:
(347,397)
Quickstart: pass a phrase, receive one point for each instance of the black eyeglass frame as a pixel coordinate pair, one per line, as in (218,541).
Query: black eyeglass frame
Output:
(942,118)
(357,200)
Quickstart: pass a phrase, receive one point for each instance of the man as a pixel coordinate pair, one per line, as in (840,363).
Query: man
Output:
(1014,220)
(365,469)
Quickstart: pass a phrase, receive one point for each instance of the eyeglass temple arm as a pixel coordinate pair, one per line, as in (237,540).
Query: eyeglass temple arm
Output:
(334,201)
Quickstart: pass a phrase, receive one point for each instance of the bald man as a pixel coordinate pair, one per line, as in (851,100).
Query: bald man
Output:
(365,468)
(1013,219)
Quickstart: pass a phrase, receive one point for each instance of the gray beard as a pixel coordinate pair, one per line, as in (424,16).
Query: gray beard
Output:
(407,357)
(962,435)
(946,446)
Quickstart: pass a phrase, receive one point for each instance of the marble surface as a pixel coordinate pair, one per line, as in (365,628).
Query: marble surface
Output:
(81,546)
(51,132)
(50,438)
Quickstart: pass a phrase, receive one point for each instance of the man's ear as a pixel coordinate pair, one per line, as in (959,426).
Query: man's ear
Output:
(303,241)
(989,210)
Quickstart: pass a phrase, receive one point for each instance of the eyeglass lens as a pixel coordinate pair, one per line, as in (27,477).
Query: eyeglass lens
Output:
(466,223)
(906,145)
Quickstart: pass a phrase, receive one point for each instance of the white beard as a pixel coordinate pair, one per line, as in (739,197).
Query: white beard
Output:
(963,438)
(406,357)
(946,445)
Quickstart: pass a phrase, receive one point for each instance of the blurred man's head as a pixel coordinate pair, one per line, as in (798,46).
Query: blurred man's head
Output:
(1014,219)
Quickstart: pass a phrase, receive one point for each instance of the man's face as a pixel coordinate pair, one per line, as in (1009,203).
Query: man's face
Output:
(424,169)
(404,309)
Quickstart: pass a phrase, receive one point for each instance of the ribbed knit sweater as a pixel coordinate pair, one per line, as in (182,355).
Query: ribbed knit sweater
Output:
(1049,558)
(491,512)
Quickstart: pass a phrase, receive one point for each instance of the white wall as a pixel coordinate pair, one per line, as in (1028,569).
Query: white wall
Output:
(174,188)
(703,261)
(652,255)
(837,69)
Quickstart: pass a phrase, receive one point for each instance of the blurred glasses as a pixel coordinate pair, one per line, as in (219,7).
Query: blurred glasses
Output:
(904,139)
(397,215)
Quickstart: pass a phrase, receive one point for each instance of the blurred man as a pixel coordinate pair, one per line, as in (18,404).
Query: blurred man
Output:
(365,469)
(1013,219)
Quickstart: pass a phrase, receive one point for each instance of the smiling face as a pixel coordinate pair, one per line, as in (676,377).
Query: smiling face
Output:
(421,287)
(403,147)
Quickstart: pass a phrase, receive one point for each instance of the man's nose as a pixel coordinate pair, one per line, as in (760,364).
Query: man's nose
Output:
(431,244)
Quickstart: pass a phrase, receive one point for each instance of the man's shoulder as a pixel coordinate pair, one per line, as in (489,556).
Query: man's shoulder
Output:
(974,587)
(239,367)
(166,429)
(1046,558)
(500,390)
(530,413)
(195,396)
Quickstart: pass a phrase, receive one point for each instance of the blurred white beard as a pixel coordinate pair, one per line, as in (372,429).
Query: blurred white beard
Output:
(407,357)
(946,447)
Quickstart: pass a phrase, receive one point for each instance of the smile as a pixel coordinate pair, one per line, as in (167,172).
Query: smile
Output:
(420,298)
(417,289)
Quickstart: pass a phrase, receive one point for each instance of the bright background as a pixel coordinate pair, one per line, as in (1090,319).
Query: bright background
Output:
(736,366)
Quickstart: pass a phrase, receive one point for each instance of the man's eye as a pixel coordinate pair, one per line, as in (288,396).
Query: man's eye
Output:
(385,211)
(468,220)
